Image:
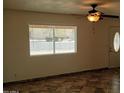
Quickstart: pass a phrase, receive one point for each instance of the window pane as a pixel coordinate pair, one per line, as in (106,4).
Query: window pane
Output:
(116,42)
(65,40)
(41,40)
(47,39)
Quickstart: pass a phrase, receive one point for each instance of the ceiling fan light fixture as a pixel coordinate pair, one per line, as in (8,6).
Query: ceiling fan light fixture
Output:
(94,17)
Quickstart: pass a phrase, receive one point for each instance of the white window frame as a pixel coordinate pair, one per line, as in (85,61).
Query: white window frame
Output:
(54,27)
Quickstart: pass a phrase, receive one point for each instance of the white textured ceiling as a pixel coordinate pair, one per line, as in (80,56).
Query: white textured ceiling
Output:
(64,6)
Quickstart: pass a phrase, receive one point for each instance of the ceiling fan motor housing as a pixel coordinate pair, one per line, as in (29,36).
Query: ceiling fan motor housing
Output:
(93,10)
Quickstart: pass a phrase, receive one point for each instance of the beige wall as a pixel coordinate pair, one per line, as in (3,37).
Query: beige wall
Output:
(92,46)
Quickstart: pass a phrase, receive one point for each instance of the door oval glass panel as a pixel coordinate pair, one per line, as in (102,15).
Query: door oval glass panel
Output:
(116,42)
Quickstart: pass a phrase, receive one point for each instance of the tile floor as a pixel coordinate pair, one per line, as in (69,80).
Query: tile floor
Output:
(96,81)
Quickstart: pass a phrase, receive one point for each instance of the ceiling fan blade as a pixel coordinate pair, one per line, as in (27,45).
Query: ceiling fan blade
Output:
(110,16)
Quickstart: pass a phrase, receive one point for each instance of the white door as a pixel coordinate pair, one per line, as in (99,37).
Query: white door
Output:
(114,45)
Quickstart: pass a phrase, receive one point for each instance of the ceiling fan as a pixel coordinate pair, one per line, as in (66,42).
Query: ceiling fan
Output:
(95,15)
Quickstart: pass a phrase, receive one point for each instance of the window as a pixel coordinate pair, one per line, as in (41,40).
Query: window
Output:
(45,39)
(116,42)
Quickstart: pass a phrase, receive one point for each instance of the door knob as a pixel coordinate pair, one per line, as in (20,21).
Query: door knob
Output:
(110,50)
